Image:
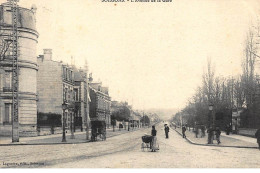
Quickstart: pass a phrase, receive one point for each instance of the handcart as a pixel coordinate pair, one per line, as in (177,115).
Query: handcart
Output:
(147,143)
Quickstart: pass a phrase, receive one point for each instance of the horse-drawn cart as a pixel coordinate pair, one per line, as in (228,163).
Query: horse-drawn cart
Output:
(98,130)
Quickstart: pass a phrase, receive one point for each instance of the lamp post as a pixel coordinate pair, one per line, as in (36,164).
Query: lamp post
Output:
(64,108)
(72,136)
(210,124)
(128,123)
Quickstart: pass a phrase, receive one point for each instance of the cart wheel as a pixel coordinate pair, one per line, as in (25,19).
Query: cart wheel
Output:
(142,146)
(148,146)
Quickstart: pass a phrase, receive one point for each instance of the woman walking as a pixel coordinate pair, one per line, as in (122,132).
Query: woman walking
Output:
(154,140)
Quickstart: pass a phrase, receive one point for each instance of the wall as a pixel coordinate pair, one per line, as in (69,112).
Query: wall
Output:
(50,89)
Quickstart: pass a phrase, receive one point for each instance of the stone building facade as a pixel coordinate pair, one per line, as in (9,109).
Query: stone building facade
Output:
(27,62)
(100,104)
(55,85)
(82,98)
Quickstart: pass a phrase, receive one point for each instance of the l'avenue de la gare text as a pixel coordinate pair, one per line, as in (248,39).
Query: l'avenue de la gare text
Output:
(136,0)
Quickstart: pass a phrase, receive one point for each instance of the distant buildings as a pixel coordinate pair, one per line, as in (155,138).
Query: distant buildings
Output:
(28,38)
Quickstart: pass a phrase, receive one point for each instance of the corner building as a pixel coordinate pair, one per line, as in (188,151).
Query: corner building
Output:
(27,62)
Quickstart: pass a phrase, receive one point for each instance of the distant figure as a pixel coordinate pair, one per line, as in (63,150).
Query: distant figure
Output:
(203,131)
(257,135)
(218,132)
(154,140)
(166,129)
(227,129)
(183,131)
(196,131)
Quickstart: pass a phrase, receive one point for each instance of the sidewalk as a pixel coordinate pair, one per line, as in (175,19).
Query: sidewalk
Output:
(231,140)
(80,137)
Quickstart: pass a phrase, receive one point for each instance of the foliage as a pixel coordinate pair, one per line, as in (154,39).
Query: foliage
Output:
(120,113)
(48,119)
(145,119)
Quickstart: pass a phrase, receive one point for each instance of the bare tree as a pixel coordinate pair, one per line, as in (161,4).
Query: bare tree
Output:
(208,79)
(248,65)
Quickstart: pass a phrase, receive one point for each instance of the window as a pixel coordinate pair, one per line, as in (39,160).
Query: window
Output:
(76,97)
(65,91)
(64,73)
(8,80)
(8,114)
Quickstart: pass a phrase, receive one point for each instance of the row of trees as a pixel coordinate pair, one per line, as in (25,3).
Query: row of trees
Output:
(238,92)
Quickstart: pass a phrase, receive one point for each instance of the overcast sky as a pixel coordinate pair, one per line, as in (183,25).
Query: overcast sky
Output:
(149,54)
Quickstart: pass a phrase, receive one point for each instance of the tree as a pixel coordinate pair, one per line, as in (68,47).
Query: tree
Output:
(122,113)
(145,119)
(248,65)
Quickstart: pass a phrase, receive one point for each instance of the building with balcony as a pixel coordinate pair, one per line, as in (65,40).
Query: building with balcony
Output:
(27,73)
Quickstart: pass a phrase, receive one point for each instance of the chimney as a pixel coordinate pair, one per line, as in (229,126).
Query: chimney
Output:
(90,77)
(47,54)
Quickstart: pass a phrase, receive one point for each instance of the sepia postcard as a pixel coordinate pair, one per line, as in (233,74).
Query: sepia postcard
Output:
(129,84)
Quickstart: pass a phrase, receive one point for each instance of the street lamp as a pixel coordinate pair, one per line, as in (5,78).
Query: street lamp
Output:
(64,108)
(72,119)
(210,126)
(128,123)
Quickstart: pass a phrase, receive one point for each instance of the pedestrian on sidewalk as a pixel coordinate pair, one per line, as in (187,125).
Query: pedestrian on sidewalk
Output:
(218,132)
(227,129)
(183,131)
(257,135)
(196,131)
(154,140)
(166,129)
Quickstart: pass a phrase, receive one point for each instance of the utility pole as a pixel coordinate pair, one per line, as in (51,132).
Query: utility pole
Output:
(232,103)
(87,101)
(15,73)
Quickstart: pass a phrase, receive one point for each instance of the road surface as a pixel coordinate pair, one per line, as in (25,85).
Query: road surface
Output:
(124,151)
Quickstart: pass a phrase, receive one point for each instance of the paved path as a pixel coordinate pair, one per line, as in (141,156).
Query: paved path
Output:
(226,140)
(80,137)
(240,137)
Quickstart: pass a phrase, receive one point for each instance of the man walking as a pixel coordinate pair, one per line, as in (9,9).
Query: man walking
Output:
(257,135)
(183,131)
(166,129)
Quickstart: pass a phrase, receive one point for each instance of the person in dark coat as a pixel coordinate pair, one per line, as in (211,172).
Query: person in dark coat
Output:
(218,132)
(154,140)
(183,131)
(227,129)
(166,129)
(257,135)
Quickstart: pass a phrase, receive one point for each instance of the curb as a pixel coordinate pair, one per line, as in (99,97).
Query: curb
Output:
(19,144)
(209,145)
